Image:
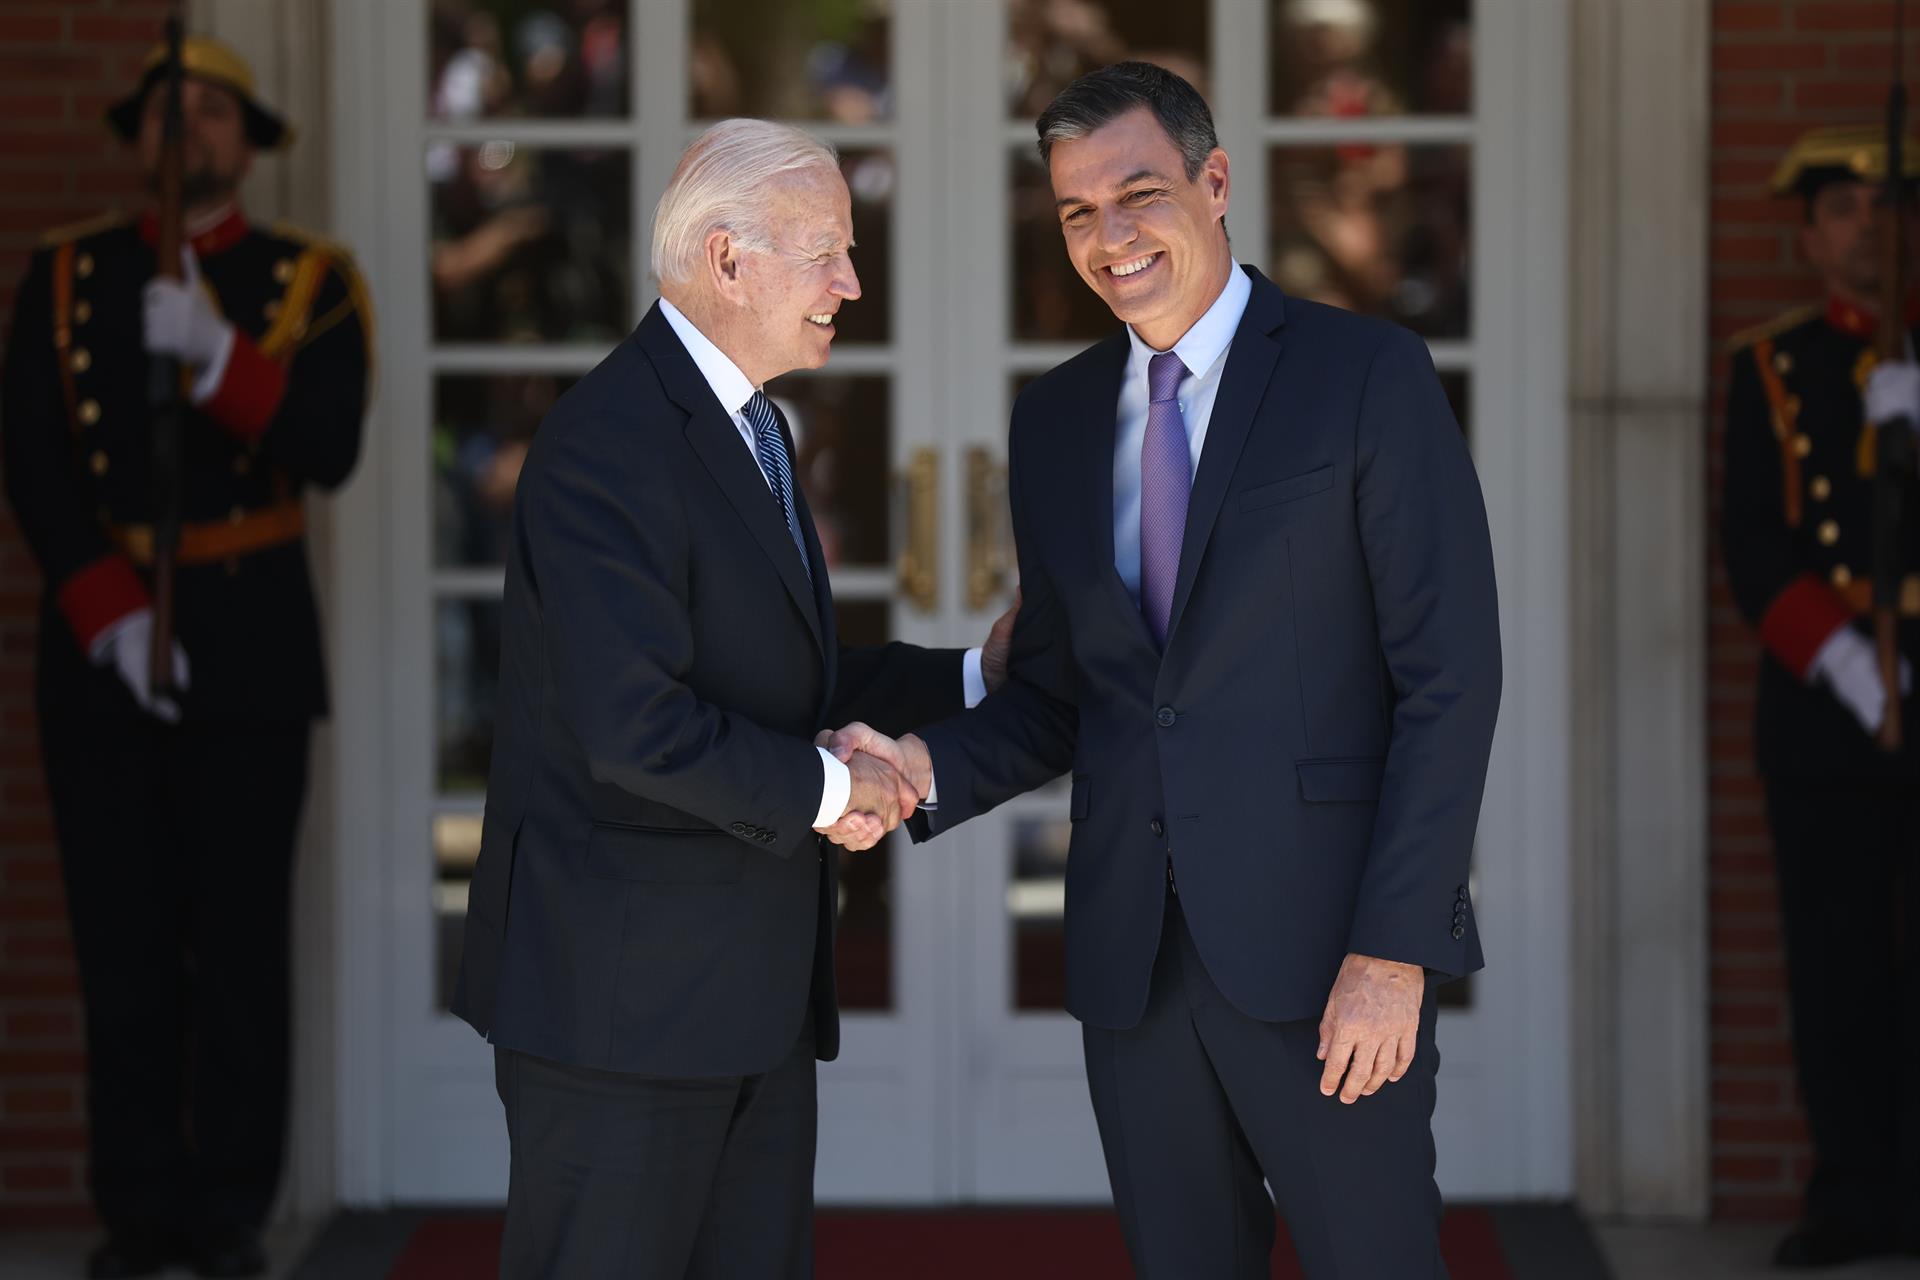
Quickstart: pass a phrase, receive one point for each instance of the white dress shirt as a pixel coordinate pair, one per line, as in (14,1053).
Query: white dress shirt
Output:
(1203,349)
(732,390)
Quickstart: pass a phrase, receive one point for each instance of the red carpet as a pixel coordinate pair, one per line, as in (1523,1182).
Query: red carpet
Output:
(1001,1244)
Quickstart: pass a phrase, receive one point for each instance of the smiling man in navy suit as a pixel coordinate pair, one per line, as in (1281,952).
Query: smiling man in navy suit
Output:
(1259,626)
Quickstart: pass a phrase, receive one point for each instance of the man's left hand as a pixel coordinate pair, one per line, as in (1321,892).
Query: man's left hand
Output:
(1893,392)
(993,654)
(1371,1027)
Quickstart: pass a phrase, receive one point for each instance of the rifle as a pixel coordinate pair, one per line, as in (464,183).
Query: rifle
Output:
(163,382)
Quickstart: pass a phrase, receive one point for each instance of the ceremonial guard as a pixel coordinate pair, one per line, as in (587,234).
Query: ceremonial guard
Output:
(1810,416)
(179,665)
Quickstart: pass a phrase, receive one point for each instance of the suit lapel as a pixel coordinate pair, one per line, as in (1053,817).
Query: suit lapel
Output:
(1243,384)
(716,440)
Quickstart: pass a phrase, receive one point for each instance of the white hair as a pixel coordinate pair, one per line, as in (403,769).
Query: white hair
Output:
(723,183)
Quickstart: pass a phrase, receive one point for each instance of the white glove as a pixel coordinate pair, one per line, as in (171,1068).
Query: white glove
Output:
(126,644)
(1893,391)
(1851,667)
(181,322)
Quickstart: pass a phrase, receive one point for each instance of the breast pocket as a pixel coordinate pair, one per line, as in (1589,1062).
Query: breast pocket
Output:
(658,856)
(1291,489)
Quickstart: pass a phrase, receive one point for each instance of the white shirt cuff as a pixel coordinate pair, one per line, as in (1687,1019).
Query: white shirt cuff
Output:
(973,685)
(208,380)
(835,791)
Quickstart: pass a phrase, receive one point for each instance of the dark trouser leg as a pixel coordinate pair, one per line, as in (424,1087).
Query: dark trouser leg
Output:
(239,789)
(627,1177)
(1355,1183)
(1833,850)
(759,1221)
(125,898)
(1185,1183)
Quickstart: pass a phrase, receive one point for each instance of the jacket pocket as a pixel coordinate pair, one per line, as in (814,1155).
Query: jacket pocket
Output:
(1289,490)
(1350,781)
(1082,792)
(660,856)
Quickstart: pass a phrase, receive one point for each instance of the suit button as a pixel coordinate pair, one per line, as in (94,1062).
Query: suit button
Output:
(1459,919)
(738,828)
(1459,932)
(1156,827)
(1164,717)
(767,837)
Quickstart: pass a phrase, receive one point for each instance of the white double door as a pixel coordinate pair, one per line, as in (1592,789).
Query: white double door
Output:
(959,1077)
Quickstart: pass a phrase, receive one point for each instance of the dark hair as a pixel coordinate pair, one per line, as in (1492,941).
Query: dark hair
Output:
(1102,96)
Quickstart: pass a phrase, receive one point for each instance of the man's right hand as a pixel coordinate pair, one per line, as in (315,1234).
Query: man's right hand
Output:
(877,799)
(908,756)
(125,644)
(1850,666)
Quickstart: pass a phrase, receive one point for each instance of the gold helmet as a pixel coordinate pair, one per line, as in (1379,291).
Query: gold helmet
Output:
(207,59)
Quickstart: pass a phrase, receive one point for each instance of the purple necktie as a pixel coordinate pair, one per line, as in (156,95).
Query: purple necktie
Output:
(1166,475)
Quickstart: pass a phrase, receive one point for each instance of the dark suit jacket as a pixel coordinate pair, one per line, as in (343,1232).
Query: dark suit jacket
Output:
(1311,748)
(650,895)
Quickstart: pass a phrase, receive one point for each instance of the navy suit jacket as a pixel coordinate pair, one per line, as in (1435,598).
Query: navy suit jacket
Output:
(650,895)
(1310,749)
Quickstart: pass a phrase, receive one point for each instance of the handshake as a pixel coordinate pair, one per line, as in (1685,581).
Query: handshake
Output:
(890,780)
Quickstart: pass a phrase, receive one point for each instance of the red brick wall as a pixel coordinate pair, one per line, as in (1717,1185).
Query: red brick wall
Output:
(1779,66)
(61,62)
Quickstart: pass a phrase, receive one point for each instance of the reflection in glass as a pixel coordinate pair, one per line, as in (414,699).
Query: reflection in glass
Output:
(1459,389)
(842,446)
(1382,228)
(792,60)
(529,245)
(1372,57)
(456,844)
(863,958)
(482,425)
(871,178)
(466,638)
(493,58)
(1051,303)
(1051,43)
(1037,902)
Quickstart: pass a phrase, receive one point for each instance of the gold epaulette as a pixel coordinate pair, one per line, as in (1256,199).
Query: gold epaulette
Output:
(85,227)
(340,258)
(1770,328)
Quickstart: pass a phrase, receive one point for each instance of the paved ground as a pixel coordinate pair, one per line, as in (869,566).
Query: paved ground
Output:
(1636,1253)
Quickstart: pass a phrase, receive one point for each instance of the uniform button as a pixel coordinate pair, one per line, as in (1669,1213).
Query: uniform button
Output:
(89,412)
(1156,827)
(283,270)
(1802,445)
(98,462)
(1782,363)
(1842,576)
(272,309)
(1821,488)
(1459,932)
(83,265)
(1164,717)
(82,360)
(82,311)
(1829,533)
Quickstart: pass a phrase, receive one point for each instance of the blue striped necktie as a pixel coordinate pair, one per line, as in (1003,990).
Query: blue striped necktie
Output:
(771,447)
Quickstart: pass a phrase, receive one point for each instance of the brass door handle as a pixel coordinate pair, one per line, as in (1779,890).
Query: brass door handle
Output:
(989,528)
(918,564)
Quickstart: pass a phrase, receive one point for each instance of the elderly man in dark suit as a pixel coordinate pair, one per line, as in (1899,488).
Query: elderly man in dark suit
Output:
(1260,629)
(649,940)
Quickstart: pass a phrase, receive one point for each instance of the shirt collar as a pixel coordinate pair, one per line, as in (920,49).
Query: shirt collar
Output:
(215,235)
(1207,340)
(730,386)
